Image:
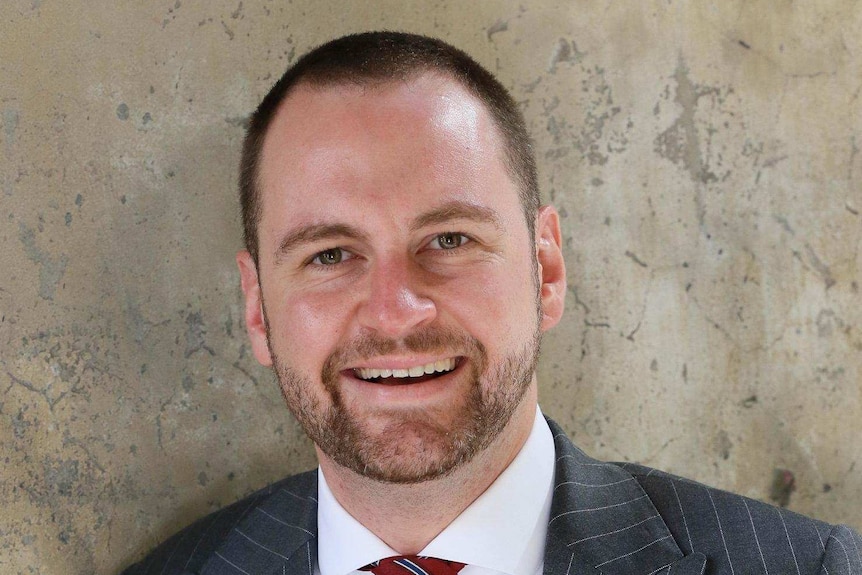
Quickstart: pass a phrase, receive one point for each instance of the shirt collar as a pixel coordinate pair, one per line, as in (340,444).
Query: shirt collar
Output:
(483,535)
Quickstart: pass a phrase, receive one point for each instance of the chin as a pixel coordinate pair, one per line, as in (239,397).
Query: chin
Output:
(413,450)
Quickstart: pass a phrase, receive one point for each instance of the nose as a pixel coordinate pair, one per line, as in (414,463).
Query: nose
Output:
(394,304)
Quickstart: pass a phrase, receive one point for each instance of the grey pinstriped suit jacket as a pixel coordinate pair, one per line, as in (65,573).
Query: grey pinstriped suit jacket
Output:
(605,518)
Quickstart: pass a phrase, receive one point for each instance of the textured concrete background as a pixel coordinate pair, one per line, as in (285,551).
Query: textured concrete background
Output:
(704,155)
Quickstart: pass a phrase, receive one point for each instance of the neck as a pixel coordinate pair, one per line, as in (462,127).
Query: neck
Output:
(387,509)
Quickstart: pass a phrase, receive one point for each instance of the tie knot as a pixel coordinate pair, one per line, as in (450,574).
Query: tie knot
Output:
(413,565)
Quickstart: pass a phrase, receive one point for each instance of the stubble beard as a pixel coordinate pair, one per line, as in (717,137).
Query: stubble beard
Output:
(413,447)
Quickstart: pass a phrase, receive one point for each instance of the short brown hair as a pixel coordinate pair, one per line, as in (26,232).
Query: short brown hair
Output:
(372,57)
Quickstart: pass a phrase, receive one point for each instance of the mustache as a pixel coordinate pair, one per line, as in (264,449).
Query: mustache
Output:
(424,340)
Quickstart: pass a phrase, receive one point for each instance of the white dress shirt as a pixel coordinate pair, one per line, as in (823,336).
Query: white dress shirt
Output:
(502,532)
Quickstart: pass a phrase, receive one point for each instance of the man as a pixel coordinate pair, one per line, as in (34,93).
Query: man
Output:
(399,273)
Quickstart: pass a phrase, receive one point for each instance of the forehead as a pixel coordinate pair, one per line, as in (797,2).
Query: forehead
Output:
(351,141)
(422,98)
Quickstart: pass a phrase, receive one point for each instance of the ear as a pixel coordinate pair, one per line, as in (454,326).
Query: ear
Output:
(255,322)
(552,267)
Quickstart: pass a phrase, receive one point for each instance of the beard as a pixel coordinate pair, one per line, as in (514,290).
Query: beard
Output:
(415,445)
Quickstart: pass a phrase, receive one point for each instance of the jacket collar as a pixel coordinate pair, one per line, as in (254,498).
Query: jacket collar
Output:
(276,535)
(603,521)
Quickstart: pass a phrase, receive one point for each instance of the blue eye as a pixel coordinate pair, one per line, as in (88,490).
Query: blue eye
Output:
(329,257)
(448,241)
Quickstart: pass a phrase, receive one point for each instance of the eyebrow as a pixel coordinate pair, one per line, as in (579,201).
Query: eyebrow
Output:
(315,233)
(457,210)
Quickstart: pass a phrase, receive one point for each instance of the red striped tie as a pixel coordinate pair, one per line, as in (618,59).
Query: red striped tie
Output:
(413,565)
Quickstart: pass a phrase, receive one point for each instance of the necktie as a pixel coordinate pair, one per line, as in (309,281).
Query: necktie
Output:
(413,565)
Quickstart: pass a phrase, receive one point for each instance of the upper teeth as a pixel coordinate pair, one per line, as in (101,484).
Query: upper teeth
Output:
(434,366)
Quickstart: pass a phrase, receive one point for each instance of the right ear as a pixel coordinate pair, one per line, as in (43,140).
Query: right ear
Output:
(255,322)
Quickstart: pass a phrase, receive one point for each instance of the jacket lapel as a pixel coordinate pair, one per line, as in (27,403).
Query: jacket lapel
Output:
(276,536)
(603,521)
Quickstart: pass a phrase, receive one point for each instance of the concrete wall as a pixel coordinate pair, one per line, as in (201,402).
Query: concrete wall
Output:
(705,157)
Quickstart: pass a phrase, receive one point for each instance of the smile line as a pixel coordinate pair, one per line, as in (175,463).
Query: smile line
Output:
(440,366)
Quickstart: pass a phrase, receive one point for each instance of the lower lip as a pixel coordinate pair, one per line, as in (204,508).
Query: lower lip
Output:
(403,392)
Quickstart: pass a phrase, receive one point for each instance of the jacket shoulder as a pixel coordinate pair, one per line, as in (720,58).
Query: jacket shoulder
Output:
(188,550)
(740,534)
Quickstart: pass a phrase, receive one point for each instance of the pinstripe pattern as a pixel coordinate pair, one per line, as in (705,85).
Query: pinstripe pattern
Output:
(758,538)
(622,519)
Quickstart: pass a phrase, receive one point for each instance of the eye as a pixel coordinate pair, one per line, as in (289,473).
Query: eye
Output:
(448,241)
(330,257)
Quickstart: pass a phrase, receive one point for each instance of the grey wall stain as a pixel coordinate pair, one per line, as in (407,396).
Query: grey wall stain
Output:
(61,476)
(123,111)
(10,124)
(137,325)
(188,383)
(724,444)
(48,393)
(680,143)
(20,424)
(51,268)
(601,110)
(819,266)
(227,30)
(827,322)
(592,135)
(782,487)
(196,334)
(74,361)
(498,26)
(565,52)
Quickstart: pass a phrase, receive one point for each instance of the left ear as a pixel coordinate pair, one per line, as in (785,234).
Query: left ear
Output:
(552,267)
(255,320)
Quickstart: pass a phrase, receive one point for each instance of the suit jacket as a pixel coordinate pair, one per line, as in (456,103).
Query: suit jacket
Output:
(622,519)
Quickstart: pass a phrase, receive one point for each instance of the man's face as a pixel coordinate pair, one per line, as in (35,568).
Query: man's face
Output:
(397,295)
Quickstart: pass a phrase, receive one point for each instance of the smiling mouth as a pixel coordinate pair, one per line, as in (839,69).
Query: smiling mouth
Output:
(414,374)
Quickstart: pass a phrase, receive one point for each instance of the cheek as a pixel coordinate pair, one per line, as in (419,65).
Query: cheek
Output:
(307,326)
(495,305)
